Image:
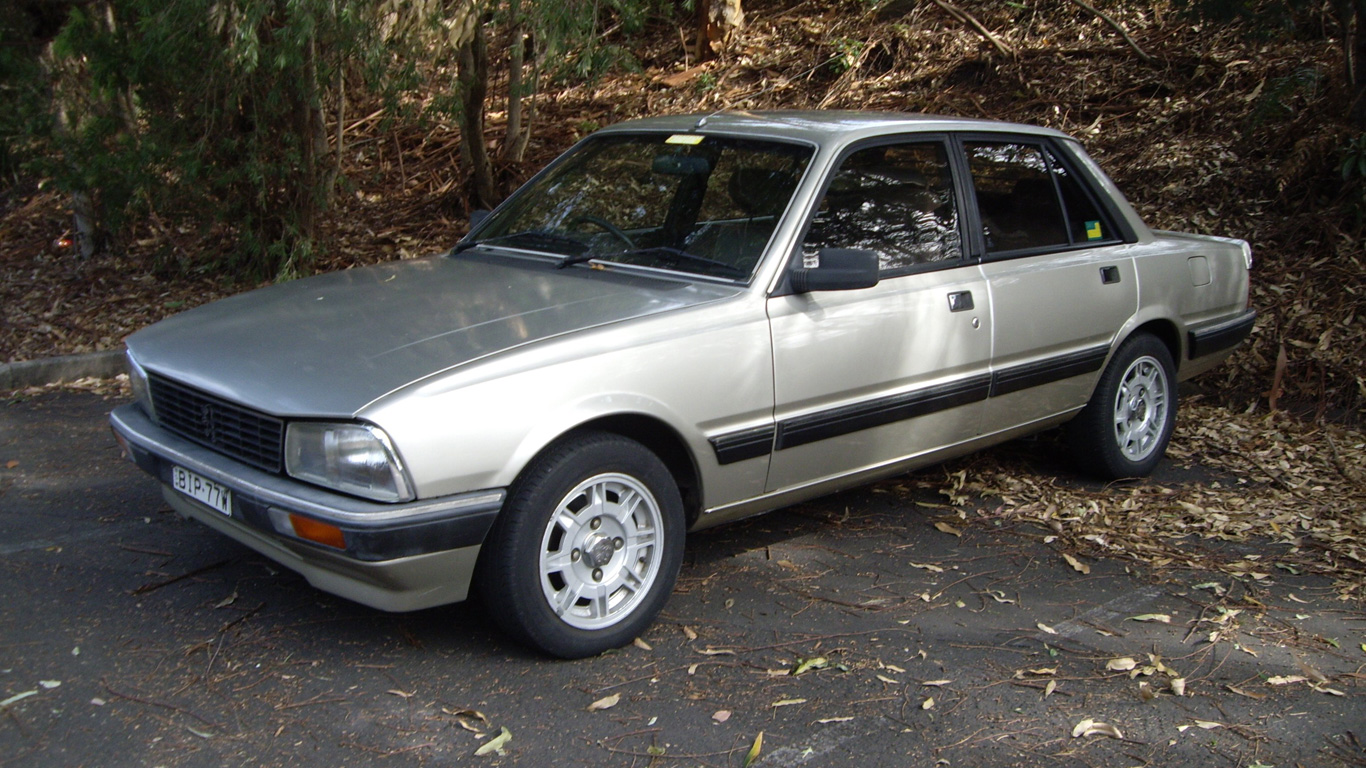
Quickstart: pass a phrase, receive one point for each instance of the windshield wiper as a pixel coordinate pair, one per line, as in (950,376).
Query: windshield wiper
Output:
(674,256)
(541,237)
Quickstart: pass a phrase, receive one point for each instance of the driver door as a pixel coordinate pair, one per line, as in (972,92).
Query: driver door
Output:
(865,379)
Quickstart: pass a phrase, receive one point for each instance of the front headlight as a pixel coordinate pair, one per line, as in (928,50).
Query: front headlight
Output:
(352,458)
(137,379)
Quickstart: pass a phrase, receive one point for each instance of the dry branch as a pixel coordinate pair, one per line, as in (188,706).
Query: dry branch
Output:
(1118,28)
(972,21)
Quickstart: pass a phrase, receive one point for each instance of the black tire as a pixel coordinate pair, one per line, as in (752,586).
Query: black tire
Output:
(554,547)
(1124,430)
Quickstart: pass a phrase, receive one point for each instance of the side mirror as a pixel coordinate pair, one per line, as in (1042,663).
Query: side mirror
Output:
(841,269)
(477,217)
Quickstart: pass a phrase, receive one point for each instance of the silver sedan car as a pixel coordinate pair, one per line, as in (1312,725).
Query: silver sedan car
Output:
(680,322)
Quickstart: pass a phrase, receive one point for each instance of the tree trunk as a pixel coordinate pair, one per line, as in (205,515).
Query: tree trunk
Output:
(312,138)
(1356,60)
(474,85)
(516,61)
(717,23)
(85,213)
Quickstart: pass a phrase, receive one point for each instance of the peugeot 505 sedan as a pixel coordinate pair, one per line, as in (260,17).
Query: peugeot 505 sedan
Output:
(682,321)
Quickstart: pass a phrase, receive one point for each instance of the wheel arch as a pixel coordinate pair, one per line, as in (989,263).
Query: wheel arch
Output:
(663,441)
(1165,331)
(658,436)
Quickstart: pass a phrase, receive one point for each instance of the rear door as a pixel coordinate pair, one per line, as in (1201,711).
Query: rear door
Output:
(864,378)
(1061,278)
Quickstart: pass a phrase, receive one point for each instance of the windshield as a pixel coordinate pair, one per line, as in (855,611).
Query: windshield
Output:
(699,204)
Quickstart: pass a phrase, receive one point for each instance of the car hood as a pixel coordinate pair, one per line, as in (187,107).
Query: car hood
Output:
(329,345)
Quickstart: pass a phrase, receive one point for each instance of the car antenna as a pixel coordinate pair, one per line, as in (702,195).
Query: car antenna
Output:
(702,121)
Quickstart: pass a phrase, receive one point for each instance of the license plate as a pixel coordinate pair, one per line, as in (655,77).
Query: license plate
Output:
(202,489)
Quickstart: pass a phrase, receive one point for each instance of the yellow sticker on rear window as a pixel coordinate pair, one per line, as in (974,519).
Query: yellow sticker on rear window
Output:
(684,138)
(1093,230)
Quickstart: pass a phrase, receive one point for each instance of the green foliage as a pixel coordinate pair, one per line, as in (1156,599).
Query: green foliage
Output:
(24,117)
(1266,15)
(216,114)
(1354,159)
(200,111)
(572,34)
(1353,169)
(1283,97)
(847,53)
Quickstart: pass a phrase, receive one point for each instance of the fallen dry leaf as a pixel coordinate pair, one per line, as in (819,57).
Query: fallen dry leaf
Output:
(1089,727)
(754,750)
(819,662)
(607,702)
(1076,564)
(944,527)
(497,744)
(710,651)
(1121,664)
(721,715)
(1205,724)
(1161,618)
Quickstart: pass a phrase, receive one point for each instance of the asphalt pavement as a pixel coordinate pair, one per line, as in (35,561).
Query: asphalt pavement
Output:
(845,632)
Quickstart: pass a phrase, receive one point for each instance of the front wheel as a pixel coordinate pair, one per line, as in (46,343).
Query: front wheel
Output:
(587,550)
(1124,430)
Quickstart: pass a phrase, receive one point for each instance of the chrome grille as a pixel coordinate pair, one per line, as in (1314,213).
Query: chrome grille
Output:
(249,436)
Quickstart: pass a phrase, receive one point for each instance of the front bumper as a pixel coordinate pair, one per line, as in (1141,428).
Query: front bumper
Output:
(397,557)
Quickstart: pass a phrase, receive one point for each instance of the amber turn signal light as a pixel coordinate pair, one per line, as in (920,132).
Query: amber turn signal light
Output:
(322,533)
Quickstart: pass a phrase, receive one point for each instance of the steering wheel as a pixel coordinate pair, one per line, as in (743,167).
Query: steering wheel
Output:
(605,224)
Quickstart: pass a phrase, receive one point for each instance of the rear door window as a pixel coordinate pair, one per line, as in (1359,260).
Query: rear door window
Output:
(1028,201)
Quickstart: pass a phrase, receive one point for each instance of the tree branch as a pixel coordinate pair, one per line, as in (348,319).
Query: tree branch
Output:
(967,18)
(1118,28)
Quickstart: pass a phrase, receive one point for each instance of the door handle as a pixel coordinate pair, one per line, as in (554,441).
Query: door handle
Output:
(960,301)
(1109,275)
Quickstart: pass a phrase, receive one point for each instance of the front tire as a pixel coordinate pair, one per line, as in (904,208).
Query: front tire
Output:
(1124,430)
(588,548)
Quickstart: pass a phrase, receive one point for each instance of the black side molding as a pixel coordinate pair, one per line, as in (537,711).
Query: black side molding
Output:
(1019,377)
(880,411)
(1220,335)
(738,446)
(813,427)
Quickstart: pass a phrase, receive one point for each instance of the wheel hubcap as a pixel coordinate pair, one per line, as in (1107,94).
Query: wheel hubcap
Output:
(1140,414)
(600,552)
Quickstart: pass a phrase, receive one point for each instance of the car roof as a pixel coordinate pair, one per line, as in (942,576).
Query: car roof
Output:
(821,127)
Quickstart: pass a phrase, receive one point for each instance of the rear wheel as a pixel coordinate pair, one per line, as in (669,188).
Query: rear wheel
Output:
(1124,430)
(588,548)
